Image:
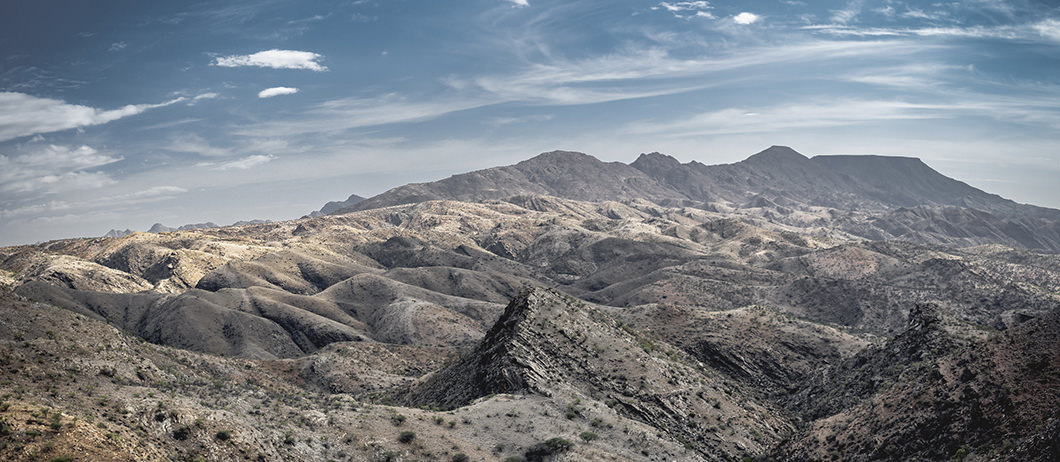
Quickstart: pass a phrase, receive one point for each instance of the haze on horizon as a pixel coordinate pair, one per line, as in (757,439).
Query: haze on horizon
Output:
(128,113)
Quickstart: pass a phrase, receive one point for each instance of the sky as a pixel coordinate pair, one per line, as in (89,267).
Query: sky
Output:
(121,114)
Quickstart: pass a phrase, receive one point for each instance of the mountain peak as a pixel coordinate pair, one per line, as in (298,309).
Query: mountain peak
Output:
(655,163)
(776,154)
(559,156)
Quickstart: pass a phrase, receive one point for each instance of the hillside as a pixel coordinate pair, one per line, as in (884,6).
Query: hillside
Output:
(537,327)
(873,197)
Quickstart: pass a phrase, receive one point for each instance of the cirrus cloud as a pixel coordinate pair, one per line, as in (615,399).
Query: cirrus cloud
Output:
(276,59)
(246,162)
(54,168)
(26,115)
(276,91)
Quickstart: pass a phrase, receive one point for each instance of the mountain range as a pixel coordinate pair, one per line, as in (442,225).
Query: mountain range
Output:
(780,308)
(872,197)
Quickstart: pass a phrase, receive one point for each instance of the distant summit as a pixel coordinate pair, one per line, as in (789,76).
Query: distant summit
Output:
(865,194)
(160,228)
(335,206)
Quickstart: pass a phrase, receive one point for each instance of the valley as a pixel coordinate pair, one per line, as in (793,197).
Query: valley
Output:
(780,308)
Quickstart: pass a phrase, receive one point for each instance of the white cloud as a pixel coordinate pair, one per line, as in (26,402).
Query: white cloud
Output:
(914,13)
(684,6)
(851,111)
(25,115)
(519,3)
(679,9)
(53,169)
(152,192)
(746,18)
(1049,28)
(276,59)
(791,116)
(276,91)
(343,114)
(246,162)
(117,46)
(210,95)
(653,72)
(195,144)
(852,10)
(501,121)
(1045,30)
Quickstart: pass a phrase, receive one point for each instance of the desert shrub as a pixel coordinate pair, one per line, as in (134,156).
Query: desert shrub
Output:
(223,435)
(406,437)
(460,457)
(181,433)
(540,451)
(588,436)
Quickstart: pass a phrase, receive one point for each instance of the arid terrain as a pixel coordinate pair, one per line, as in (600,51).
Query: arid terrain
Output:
(781,308)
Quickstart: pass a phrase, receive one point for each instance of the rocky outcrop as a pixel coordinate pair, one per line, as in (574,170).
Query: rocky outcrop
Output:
(941,390)
(550,344)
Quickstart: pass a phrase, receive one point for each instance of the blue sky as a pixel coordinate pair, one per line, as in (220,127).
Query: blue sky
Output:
(119,114)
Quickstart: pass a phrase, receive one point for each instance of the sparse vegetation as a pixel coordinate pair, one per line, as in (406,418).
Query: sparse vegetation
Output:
(722,322)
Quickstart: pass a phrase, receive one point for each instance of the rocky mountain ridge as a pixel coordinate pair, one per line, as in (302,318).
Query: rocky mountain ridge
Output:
(537,327)
(873,197)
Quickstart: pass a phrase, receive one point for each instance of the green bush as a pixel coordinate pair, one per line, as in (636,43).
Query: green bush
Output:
(588,436)
(406,437)
(460,457)
(223,435)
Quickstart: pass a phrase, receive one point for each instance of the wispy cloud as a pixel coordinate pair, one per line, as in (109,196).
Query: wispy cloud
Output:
(244,163)
(923,76)
(117,46)
(276,59)
(54,169)
(684,6)
(25,115)
(276,91)
(152,192)
(788,116)
(848,13)
(920,14)
(853,111)
(195,144)
(641,73)
(682,9)
(519,3)
(51,209)
(1047,30)
(501,121)
(348,113)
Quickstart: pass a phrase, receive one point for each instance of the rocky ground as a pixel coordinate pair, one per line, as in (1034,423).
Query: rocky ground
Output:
(531,327)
